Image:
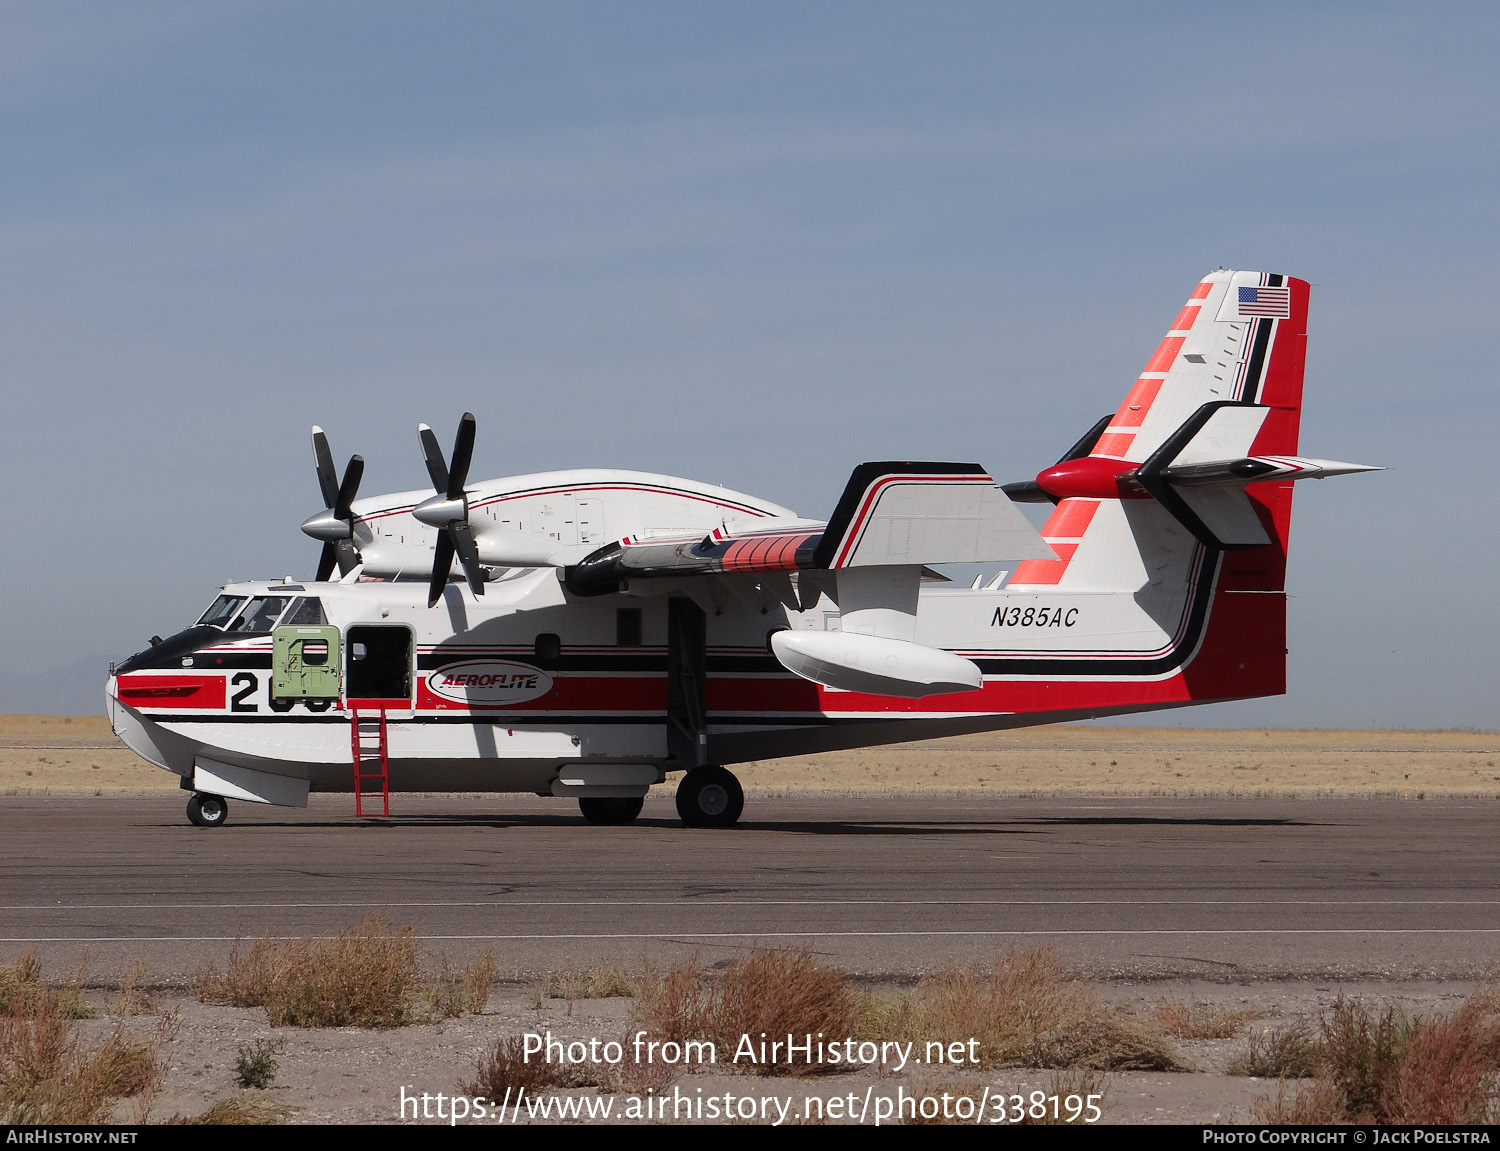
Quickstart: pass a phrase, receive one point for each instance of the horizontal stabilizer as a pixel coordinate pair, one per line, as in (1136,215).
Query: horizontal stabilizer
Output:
(925,513)
(1224,516)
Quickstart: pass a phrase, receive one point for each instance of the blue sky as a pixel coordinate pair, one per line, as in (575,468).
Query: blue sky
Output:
(752,244)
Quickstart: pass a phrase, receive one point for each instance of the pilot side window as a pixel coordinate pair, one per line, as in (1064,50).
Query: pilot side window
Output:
(260,615)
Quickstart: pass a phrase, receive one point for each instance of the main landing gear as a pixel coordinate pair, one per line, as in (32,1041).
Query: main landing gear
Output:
(709,796)
(206,810)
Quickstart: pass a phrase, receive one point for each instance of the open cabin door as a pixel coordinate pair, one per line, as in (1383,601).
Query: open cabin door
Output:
(378,666)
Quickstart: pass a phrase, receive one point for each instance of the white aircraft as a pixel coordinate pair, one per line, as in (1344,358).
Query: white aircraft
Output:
(610,627)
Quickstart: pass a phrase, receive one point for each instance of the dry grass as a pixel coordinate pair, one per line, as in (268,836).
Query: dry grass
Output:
(366,976)
(239,1112)
(453,993)
(941,1092)
(21,988)
(1070,760)
(50,1074)
(1077,1086)
(506,1070)
(1040,760)
(479,981)
(1196,1021)
(1285,1053)
(608,982)
(1029,1011)
(1386,1067)
(1317,1104)
(771,992)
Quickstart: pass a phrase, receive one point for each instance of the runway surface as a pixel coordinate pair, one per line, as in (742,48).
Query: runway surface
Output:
(888,886)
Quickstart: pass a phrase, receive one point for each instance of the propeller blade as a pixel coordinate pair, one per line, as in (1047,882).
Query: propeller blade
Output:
(337,518)
(433,455)
(344,497)
(463,452)
(442,564)
(348,556)
(328,479)
(468,555)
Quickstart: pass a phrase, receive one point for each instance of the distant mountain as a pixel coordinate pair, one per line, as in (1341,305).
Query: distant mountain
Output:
(77,689)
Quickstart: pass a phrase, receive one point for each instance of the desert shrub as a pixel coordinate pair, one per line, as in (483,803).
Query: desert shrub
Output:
(366,976)
(1364,1052)
(1446,1073)
(362,977)
(1317,1104)
(256,1065)
(505,1069)
(770,992)
(1286,1053)
(1387,1067)
(936,1090)
(1067,1084)
(50,1074)
(21,988)
(1030,1011)
(1192,1021)
(451,993)
(479,980)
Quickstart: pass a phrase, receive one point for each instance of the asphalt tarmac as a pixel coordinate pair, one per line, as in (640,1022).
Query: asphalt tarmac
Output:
(890,887)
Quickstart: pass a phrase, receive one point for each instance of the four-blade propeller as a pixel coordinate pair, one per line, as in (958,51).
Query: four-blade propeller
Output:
(334,525)
(448,511)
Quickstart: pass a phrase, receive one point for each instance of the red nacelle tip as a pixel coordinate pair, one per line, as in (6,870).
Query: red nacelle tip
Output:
(1091,477)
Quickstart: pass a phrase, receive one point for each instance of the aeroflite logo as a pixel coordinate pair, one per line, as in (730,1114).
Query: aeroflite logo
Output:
(489,681)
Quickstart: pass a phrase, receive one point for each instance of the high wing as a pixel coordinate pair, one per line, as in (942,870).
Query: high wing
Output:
(892,514)
(893,519)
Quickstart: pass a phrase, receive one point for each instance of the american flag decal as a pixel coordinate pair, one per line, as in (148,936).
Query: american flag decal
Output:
(1273,302)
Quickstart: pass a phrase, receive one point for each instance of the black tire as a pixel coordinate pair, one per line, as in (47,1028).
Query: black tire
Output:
(709,796)
(610,812)
(206,810)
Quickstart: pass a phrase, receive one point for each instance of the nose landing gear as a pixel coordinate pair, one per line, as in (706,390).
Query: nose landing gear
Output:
(206,810)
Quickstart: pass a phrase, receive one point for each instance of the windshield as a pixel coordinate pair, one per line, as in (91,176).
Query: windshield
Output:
(221,611)
(260,615)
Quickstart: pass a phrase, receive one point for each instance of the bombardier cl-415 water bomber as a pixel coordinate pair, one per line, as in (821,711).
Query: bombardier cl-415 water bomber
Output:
(604,629)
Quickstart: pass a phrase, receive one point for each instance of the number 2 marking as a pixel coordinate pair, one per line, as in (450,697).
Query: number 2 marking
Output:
(238,703)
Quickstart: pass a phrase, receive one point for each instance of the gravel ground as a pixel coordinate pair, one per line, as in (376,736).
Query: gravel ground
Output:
(350,1075)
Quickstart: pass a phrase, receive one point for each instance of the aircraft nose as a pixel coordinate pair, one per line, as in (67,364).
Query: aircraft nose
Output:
(111,701)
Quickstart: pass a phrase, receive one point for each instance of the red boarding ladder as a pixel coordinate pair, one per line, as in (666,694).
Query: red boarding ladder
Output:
(371,767)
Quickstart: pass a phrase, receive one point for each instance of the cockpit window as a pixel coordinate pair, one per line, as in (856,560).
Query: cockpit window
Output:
(260,615)
(306,611)
(221,611)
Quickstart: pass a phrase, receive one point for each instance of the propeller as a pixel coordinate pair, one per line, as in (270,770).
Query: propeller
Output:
(334,525)
(448,511)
